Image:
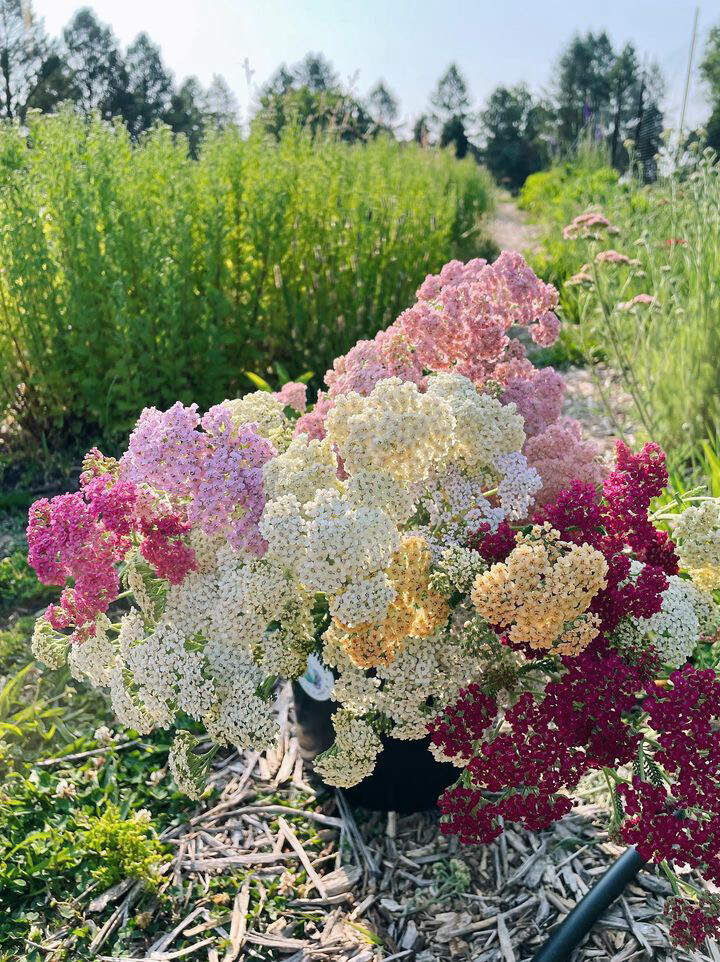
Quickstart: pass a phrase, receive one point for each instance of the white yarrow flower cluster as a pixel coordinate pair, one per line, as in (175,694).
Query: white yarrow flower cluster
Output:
(676,629)
(353,755)
(697,534)
(484,428)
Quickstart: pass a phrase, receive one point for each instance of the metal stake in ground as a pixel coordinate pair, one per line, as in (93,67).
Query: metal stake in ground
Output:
(576,926)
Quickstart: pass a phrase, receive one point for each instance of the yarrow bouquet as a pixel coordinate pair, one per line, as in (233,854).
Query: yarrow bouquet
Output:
(442,539)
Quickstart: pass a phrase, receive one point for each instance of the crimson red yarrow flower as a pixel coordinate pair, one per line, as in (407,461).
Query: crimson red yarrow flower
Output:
(548,745)
(693,922)
(617,525)
(685,717)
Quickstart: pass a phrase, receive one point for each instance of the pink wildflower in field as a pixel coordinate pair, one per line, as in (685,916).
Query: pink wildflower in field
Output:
(645,299)
(164,548)
(67,541)
(163,449)
(615,257)
(590,225)
(452,274)
(583,276)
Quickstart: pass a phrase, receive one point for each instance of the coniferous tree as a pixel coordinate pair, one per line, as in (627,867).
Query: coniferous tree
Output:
(383,106)
(451,110)
(710,73)
(421,130)
(515,126)
(96,65)
(623,82)
(220,105)
(309,95)
(583,86)
(186,115)
(149,85)
(31,70)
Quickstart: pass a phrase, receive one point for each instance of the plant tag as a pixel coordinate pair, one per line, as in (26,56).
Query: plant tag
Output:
(318,681)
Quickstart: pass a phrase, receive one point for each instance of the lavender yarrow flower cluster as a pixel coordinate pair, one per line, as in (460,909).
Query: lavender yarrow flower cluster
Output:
(216,472)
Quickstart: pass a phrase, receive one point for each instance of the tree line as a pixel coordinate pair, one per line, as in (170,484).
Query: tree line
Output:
(598,93)
(86,66)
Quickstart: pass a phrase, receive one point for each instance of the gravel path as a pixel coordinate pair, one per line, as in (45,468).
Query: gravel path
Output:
(509,227)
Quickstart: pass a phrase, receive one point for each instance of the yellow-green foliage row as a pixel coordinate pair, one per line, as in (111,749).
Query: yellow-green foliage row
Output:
(133,275)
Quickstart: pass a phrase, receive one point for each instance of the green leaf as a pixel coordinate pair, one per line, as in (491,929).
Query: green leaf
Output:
(260,383)
(281,373)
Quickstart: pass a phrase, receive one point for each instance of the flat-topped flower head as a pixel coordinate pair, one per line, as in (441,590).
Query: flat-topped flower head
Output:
(697,533)
(396,429)
(542,592)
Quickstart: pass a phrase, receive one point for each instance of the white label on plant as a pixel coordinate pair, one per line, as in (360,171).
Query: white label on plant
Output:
(318,680)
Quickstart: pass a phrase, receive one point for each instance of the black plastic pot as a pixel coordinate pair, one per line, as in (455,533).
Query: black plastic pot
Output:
(406,778)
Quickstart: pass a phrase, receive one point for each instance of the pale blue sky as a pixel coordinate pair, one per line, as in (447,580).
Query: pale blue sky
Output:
(408,43)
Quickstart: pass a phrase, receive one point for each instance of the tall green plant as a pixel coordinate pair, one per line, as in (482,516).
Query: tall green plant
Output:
(135,275)
(666,351)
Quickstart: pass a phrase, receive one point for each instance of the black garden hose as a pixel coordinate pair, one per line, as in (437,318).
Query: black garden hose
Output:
(576,926)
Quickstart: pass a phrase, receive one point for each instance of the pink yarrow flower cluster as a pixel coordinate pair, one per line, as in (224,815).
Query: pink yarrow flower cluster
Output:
(460,323)
(82,537)
(216,471)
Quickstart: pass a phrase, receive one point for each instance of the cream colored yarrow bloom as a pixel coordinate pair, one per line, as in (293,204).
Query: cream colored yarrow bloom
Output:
(302,470)
(344,542)
(94,659)
(48,645)
(378,489)
(484,428)
(261,408)
(395,429)
(456,570)
(365,599)
(697,535)
(352,757)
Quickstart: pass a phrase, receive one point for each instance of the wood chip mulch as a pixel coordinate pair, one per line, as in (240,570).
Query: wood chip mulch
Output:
(383,886)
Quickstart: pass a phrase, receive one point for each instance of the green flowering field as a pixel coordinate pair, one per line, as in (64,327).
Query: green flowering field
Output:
(134,275)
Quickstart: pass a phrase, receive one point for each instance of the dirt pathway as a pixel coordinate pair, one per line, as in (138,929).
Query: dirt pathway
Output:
(509,227)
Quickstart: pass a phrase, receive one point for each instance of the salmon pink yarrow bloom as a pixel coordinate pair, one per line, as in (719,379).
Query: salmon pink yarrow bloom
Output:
(646,300)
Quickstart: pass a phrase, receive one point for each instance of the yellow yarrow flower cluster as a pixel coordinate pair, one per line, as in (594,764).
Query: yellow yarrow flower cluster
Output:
(417,611)
(542,592)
